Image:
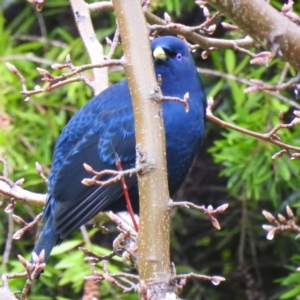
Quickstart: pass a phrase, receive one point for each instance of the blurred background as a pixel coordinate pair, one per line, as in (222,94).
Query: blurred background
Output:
(230,167)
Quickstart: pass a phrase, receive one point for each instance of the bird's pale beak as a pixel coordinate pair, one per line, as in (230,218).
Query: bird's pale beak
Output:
(159,53)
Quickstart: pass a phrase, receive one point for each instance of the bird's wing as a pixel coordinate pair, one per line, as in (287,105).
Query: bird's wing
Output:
(74,203)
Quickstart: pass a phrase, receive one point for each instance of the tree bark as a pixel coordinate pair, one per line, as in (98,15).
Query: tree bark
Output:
(154,227)
(266,25)
(93,48)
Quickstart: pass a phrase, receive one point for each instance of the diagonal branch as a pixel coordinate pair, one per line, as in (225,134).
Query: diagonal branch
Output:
(277,34)
(91,43)
(13,190)
(247,82)
(186,31)
(270,136)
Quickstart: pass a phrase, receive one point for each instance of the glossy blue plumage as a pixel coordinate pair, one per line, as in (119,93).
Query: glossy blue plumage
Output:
(103,127)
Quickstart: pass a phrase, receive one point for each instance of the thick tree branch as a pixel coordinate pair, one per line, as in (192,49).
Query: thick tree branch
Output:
(154,231)
(11,189)
(265,25)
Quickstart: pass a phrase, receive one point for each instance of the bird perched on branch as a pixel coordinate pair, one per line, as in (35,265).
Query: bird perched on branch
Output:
(104,127)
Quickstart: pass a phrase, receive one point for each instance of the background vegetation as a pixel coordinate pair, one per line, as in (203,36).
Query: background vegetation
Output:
(230,168)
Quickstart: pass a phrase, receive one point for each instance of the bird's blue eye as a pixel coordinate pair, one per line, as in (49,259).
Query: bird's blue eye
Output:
(179,56)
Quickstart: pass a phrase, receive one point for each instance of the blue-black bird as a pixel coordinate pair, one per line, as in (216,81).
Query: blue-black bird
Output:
(104,127)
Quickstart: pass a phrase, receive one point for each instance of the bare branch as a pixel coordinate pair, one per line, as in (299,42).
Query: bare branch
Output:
(270,136)
(91,43)
(185,31)
(94,258)
(282,224)
(247,82)
(18,234)
(214,279)
(117,175)
(278,35)
(5,292)
(184,101)
(10,189)
(122,226)
(39,169)
(29,57)
(258,85)
(209,211)
(58,81)
(32,271)
(42,40)
(117,279)
(8,242)
(113,44)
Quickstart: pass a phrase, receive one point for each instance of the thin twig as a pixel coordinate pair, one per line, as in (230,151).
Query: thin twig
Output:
(184,101)
(283,73)
(129,279)
(39,169)
(114,43)
(58,81)
(123,226)
(33,270)
(42,40)
(247,82)
(116,175)
(8,242)
(209,211)
(18,234)
(282,224)
(208,21)
(267,136)
(28,57)
(94,258)
(203,42)
(214,279)
(258,85)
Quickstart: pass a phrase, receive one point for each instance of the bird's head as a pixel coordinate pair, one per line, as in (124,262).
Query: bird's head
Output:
(172,58)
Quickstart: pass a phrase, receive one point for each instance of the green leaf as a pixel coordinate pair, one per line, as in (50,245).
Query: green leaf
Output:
(230,60)
(283,169)
(65,246)
(292,293)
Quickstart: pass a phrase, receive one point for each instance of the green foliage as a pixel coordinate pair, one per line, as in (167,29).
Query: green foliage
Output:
(172,6)
(246,161)
(252,180)
(31,128)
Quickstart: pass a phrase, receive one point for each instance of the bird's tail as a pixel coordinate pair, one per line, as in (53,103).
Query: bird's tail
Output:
(47,240)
